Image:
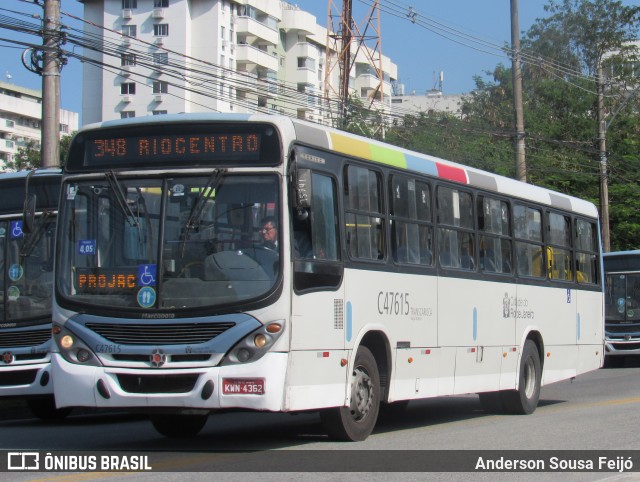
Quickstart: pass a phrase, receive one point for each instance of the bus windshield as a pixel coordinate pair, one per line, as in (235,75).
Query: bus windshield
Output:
(622,303)
(27,261)
(168,243)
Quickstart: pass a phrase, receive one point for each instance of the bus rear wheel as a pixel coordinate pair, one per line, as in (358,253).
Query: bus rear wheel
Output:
(179,426)
(356,422)
(524,400)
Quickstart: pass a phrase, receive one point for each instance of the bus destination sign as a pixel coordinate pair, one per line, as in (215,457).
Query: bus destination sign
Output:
(175,145)
(193,147)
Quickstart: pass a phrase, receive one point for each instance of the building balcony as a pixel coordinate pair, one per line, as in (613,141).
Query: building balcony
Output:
(254,30)
(304,76)
(254,57)
(367,81)
(305,49)
(298,20)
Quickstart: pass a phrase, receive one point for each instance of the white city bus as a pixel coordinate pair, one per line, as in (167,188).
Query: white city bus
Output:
(395,275)
(622,305)
(26,287)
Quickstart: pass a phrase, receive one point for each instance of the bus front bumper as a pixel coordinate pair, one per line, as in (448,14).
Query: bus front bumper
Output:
(255,386)
(622,346)
(26,380)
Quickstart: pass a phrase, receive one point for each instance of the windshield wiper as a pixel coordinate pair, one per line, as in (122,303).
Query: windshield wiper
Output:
(121,198)
(198,205)
(31,239)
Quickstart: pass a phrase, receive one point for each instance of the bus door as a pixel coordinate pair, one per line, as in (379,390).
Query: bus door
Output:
(318,314)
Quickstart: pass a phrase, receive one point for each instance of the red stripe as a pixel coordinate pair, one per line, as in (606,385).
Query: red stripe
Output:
(452,173)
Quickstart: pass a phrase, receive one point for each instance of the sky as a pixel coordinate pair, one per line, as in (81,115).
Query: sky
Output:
(419,52)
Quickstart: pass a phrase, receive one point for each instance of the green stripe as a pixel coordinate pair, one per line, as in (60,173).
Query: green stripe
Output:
(388,156)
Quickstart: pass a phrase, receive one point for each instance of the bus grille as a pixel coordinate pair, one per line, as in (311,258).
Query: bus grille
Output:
(158,383)
(160,334)
(622,329)
(24,338)
(20,377)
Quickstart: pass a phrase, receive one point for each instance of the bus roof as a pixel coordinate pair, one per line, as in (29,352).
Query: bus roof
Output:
(51,171)
(360,147)
(614,254)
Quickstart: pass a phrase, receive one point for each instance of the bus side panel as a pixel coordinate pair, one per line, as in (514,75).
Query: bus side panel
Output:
(560,363)
(473,314)
(478,369)
(317,320)
(416,373)
(406,305)
(316,379)
(552,311)
(590,330)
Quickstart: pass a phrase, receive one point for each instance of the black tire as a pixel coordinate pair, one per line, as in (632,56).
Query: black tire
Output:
(524,400)
(492,402)
(179,426)
(45,409)
(356,422)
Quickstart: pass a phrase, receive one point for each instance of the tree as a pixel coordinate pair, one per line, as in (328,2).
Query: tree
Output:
(28,156)
(575,40)
(560,102)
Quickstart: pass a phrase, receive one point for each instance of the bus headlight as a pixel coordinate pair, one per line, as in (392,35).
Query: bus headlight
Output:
(72,348)
(255,345)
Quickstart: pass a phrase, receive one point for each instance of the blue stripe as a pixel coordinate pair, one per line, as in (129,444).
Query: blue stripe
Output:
(421,164)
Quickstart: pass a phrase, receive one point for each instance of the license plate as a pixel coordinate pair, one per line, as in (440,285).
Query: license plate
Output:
(243,386)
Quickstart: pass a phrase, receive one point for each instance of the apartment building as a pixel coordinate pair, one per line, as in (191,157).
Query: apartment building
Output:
(20,120)
(171,56)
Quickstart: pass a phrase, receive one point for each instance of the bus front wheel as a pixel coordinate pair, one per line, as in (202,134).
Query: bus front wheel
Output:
(356,422)
(524,400)
(179,426)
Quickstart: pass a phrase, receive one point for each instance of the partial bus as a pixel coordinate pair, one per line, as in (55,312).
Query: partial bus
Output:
(26,255)
(210,262)
(622,305)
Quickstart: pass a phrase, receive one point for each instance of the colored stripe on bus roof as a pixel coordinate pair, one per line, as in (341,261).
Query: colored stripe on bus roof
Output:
(394,157)
(452,173)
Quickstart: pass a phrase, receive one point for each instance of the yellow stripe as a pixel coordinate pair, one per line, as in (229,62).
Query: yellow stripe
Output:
(350,146)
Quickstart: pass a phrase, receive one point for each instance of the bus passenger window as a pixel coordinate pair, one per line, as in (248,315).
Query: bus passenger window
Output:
(587,266)
(529,249)
(364,221)
(315,237)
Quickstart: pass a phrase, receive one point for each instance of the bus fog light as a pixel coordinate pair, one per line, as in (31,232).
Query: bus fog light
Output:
(243,355)
(83,355)
(260,340)
(66,342)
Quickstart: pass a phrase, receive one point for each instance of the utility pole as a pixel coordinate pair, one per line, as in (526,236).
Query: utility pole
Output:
(602,149)
(50,150)
(521,163)
(342,34)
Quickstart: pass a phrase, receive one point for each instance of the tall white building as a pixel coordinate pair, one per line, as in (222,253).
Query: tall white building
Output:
(20,120)
(171,56)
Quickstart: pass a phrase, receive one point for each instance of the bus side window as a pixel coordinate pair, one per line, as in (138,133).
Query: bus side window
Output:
(529,248)
(363,217)
(559,247)
(587,260)
(316,236)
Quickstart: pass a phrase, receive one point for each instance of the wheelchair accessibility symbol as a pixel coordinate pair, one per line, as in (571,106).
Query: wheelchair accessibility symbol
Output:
(147,275)
(146,297)
(16,229)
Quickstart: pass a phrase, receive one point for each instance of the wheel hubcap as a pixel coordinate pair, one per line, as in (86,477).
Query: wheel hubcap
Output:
(361,394)
(529,377)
